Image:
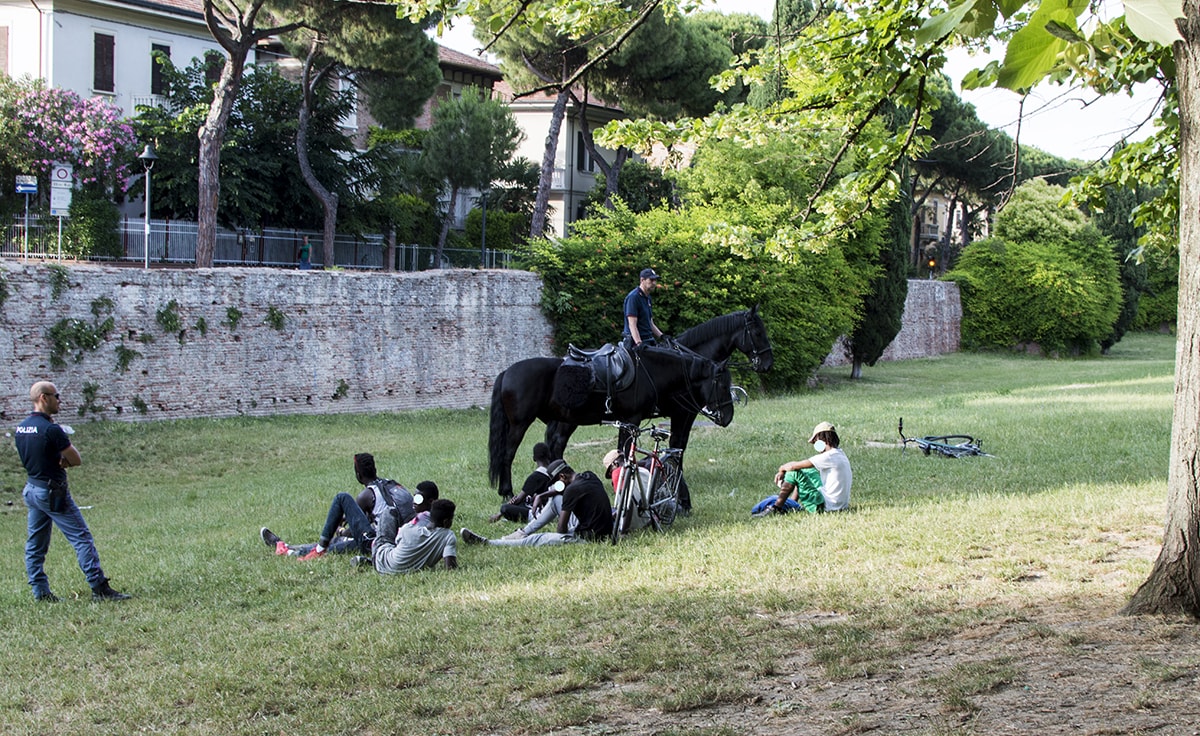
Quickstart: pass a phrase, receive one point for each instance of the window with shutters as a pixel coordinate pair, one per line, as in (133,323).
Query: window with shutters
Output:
(103,73)
(158,85)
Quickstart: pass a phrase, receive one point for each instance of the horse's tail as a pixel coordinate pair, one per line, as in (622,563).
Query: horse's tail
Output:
(497,433)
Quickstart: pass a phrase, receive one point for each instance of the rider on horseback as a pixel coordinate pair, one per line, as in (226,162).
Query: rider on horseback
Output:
(639,315)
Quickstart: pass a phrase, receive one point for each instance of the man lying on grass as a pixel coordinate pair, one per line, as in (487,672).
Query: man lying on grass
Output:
(582,495)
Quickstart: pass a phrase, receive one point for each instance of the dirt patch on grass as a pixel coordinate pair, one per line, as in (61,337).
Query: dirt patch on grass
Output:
(1082,671)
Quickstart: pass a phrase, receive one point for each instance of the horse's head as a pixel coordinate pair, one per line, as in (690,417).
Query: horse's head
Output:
(718,394)
(755,343)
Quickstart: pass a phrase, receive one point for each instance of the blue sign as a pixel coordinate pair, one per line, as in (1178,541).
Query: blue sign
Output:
(26,184)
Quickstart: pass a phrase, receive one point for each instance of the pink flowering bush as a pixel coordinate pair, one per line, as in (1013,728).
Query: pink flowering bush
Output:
(59,125)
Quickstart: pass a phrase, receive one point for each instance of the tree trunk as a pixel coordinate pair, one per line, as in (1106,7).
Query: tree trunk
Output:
(541,204)
(856,369)
(1174,583)
(441,244)
(389,252)
(212,137)
(612,172)
(328,199)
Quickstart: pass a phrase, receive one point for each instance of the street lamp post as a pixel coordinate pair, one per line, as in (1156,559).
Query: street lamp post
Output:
(147,158)
(483,239)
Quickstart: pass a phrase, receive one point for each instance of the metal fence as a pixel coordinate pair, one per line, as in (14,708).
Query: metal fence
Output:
(174,242)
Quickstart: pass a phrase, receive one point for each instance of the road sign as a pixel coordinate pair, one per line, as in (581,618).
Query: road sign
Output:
(62,175)
(26,184)
(60,201)
(62,181)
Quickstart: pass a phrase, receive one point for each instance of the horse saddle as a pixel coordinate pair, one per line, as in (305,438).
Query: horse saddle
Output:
(607,370)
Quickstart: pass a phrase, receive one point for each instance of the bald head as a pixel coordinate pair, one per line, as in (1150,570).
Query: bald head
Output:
(45,397)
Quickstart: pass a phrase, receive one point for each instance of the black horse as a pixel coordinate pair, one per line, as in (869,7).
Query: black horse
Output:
(715,339)
(664,377)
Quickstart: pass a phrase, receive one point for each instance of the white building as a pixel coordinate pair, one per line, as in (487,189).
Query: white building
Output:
(101,48)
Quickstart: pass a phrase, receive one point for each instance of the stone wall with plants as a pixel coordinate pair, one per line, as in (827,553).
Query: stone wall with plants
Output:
(126,343)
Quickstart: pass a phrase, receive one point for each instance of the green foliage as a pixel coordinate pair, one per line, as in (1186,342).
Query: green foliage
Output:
(275,318)
(1063,298)
(168,319)
(806,304)
(125,356)
(342,390)
(1116,222)
(390,57)
(60,280)
(506,231)
(89,393)
(415,220)
(233,315)
(4,291)
(261,182)
(1036,214)
(91,230)
(640,186)
(883,306)
(139,405)
(470,140)
(1159,303)
(202,325)
(71,338)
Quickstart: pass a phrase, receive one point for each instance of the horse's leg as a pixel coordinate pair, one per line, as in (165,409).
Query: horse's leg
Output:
(681,429)
(557,435)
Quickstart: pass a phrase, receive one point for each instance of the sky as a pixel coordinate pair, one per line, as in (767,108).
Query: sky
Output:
(1063,122)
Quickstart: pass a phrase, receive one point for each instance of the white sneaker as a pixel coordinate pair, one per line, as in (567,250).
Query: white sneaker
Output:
(518,534)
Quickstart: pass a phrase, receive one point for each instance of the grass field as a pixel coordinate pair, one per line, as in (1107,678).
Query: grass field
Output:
(226,638)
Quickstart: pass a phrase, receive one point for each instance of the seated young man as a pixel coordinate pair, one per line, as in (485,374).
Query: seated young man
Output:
(798,488)
(583,496)
(414,547)
(520,508)
(350,523)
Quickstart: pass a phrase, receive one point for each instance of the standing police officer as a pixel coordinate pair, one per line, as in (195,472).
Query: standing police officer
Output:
(46,452)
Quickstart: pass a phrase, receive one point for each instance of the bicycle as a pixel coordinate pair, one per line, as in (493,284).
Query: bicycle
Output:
(946,445)
(654,496)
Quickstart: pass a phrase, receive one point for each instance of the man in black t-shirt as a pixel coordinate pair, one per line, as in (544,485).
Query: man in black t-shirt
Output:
(583,496)
(46,452)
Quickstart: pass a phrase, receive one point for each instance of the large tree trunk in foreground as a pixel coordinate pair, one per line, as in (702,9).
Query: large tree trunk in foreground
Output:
(1174,584)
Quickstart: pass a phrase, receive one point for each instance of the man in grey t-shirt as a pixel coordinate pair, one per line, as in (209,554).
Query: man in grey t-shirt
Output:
(416,546)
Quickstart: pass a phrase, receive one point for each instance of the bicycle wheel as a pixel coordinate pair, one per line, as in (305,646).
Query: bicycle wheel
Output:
(664,496)
(622,502)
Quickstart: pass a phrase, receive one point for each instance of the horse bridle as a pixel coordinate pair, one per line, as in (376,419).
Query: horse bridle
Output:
(754,352)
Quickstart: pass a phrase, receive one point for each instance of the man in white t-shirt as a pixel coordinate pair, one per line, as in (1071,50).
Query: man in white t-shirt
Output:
(830,462)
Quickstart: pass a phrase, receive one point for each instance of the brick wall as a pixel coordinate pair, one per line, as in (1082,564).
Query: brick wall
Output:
(932,320)
(350,342)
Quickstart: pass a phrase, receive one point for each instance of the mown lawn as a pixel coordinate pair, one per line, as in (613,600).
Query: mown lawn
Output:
(226,638)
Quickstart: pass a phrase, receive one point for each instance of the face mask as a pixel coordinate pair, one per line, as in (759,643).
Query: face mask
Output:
(558,486)
(819,445)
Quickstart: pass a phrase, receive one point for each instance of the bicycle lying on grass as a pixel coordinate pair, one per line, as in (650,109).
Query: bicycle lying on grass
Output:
(946,445)
(652,495)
